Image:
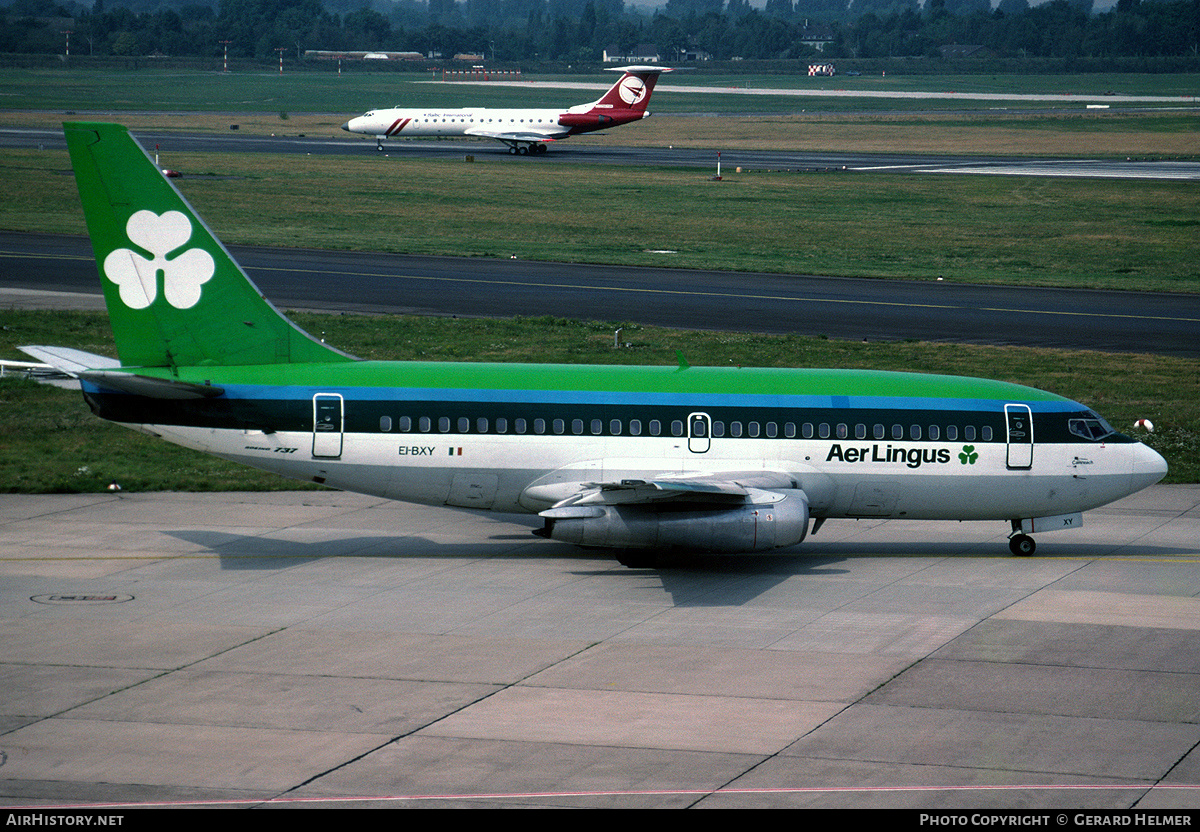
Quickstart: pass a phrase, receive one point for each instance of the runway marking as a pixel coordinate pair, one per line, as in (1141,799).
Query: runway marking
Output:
(782,790)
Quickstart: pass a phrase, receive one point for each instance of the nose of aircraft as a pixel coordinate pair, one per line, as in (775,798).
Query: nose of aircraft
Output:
(1148,467)
(346,127)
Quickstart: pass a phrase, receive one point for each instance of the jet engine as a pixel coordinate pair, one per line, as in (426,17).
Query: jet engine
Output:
(777,521)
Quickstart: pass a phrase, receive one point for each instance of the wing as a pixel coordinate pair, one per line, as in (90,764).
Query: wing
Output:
(727,511)
(548,135)
(724,487)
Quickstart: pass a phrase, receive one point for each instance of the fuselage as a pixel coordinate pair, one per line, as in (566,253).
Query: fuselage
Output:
(522,437)
(534,124)
(524,130)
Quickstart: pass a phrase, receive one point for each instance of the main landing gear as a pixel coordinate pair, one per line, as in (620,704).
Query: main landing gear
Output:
(527,149)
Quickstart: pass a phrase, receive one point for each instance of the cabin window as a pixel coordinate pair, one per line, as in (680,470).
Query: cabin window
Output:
(405,423)
(914,431)
(935,432)
(843,432)
(481,424)
(860,431)
(952,433)
(655,427)
(789,430)
(635,427)
(897,431)
(718,429)
(752,430)
(614,427)
(385,423)
(735,429)
(425,424)
(577,426)
(539,426)
(807,430)
(444,424)
(823,430)
(677,428)
(969,433)
(501,425)
(464,424)
(597,427)
(772,430)
(986,433)
(519,425)
(878,431)
(560,427)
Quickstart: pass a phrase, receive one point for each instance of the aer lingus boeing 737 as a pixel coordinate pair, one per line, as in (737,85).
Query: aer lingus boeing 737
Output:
(636,459)
(525,131)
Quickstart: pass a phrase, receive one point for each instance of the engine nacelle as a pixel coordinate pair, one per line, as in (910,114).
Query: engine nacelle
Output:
(591,121)
(777,521)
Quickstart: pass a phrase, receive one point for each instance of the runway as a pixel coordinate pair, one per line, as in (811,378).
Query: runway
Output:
(584,153)
(326,649)
(875,310)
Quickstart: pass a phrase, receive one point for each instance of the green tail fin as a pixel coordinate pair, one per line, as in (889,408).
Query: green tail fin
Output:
(175,296)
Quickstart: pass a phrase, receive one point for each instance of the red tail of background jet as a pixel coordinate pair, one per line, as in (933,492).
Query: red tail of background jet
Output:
(631,92)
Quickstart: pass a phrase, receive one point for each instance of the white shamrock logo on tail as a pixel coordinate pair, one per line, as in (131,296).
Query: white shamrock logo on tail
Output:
(182,276)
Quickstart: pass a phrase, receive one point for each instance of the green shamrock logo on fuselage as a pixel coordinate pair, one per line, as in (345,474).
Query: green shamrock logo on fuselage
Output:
(968,455)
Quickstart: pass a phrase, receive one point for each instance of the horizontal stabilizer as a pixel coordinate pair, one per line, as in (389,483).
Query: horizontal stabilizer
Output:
(154,388)
(71,361)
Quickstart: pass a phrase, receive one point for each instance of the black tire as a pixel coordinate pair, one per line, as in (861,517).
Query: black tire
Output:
(1022,545)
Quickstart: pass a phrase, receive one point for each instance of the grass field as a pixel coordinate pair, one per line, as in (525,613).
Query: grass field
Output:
(52,443)
(1051,232)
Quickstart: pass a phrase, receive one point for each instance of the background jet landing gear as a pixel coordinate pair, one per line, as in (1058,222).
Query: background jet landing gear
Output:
(527,149)
(1019,543)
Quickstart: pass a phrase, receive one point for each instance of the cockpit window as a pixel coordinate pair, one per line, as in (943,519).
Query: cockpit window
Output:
(1093,427)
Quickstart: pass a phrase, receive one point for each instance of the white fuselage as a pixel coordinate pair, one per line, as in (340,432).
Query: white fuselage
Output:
(842,478)
(399,123)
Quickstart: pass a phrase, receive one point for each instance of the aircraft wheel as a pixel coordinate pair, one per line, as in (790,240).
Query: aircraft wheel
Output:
(1022,545)
(539,149)
(512,151)
(523,150)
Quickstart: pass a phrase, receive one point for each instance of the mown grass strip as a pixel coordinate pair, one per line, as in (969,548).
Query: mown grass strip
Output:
(1015,230)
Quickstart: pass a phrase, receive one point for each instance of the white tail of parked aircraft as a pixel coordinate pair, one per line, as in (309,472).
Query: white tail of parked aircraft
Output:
(525,131)
(633,459)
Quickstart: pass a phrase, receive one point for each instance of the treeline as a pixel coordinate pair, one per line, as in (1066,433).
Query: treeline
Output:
(540,31)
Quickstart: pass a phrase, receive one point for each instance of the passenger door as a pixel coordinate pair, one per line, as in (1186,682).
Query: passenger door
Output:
(1019,424)
(327,425)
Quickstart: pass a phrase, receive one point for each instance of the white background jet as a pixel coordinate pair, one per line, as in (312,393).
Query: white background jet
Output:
(525,131)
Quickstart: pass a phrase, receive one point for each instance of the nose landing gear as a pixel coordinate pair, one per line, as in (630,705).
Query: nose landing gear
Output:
(1022,545)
